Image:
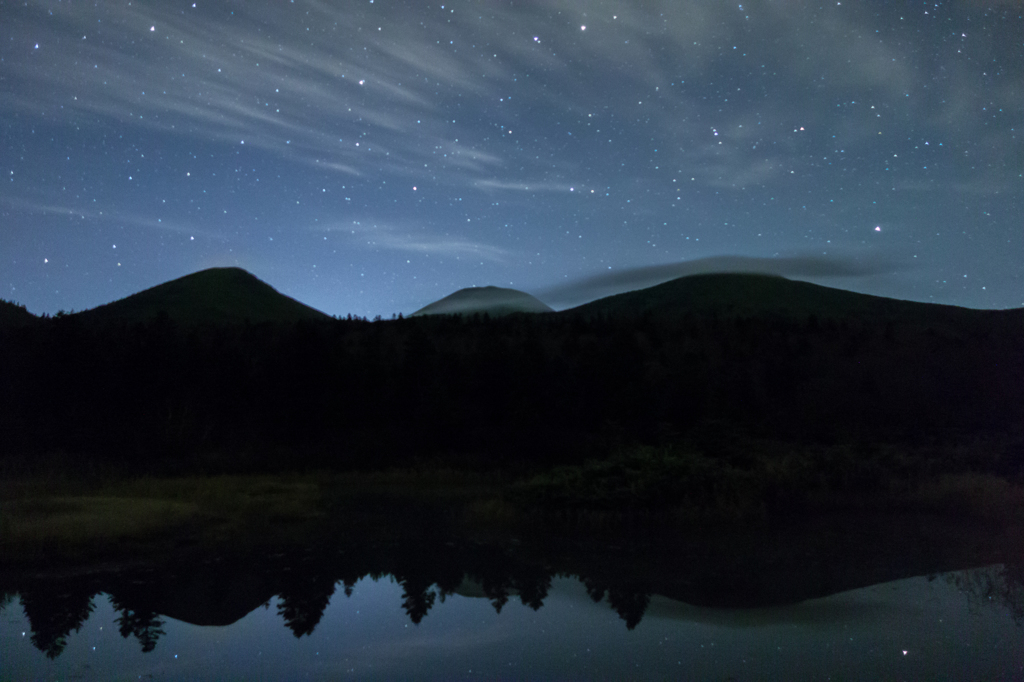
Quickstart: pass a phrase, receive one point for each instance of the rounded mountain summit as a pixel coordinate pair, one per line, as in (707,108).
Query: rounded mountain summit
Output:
(495,301)
(214,296)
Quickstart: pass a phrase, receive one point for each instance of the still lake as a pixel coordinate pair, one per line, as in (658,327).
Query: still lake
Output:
(414,590)
(954,625)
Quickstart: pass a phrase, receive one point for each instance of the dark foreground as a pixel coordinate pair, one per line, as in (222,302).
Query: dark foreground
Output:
(454,576)
(210,551)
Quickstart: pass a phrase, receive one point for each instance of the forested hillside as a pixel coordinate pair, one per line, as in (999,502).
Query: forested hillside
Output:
(526,389)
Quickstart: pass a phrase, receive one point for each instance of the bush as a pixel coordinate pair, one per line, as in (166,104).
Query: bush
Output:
(648,478)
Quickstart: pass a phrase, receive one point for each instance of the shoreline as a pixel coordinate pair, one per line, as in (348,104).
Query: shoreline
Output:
(46,523)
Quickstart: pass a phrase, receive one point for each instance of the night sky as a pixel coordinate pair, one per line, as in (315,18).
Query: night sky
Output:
(369,157)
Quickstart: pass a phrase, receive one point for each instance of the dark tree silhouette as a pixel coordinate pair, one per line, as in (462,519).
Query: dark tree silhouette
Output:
(304,600)
(629,603)
(143,624)
(417,597)
(55,614)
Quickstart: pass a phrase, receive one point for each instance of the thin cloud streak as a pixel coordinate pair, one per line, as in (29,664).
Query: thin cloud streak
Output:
(394,238)
(527,186)
(247,79)
(106,216)
(797,266)
(254,89)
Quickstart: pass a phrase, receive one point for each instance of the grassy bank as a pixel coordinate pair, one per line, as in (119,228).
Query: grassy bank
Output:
(756,481)
(46,519)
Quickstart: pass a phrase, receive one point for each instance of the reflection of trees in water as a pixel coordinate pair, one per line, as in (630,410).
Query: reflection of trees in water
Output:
(304,600)
(144,624)
(630,604)
(993,585)
(629,601)
(530,583)
(417,597)
(497,587)
(425,575)
(533,584)
(305,587)
(54,614)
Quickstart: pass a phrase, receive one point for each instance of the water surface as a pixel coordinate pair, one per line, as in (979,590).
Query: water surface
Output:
(959,625)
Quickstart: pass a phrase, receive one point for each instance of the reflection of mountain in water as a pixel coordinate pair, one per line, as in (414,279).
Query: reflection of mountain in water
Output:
(692,583)
(64,612)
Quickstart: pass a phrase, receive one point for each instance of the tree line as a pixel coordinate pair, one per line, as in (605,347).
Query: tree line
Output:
(524,389)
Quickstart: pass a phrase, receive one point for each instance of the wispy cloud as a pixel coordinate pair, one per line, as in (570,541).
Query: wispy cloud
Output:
(106,216)
(375,235)
(353,89)
(248,79)
(814,266)
(524,186)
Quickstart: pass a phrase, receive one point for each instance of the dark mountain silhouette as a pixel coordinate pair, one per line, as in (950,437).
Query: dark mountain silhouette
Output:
(494,301)
(213,296)
(743,295)
(14,315)
(782,359)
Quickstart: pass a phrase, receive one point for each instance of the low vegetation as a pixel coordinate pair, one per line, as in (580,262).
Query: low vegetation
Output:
(47,519)
(762,480)
(747,482)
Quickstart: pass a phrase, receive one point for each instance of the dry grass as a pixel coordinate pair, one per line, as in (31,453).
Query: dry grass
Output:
(278,498)
(44,520)
(70,520)
(78,520)
(62,519)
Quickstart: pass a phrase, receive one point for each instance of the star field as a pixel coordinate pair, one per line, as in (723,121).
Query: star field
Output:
(370,157)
